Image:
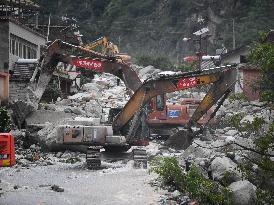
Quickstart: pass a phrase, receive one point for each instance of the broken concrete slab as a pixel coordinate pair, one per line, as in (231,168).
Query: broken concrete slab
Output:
(47,116)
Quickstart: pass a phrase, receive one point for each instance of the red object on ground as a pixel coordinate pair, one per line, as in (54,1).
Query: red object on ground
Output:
(88,63)
(7,151)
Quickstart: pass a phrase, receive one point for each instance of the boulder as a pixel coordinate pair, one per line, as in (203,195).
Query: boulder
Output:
(243,192)
(223,167)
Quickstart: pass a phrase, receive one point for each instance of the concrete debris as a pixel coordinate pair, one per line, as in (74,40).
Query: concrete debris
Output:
(212,151)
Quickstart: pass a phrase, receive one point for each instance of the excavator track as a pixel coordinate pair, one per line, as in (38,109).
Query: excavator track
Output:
(93,157)
(139,158)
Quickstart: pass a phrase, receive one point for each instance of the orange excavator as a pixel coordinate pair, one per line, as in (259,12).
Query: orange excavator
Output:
(108,48)
(128,127)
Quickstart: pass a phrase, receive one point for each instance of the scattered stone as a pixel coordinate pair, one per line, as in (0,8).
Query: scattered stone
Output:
(44,185)
(67,110)
(57,188)
(243,192)
(231,132)
(224,167)
(176,194)
(16,187)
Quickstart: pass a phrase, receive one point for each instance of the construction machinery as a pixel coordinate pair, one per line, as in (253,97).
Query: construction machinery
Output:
(128,127)
(108,48)
(164,119)
(66,53)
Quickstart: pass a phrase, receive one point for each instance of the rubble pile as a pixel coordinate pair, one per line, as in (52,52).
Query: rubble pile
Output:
(216,153)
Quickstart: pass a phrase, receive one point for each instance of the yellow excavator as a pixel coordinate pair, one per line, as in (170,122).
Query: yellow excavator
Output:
(108,48)
(127,127)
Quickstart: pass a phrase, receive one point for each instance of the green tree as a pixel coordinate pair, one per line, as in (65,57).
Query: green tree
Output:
(4,120)
(262,55)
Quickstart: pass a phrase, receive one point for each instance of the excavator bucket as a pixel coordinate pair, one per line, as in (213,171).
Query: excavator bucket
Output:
(181,139)
(219,90)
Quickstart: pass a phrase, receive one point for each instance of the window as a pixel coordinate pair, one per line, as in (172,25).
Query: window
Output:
(24,51)
(13,46)
(20,50)
(16,48)
(160,102)
(28,52)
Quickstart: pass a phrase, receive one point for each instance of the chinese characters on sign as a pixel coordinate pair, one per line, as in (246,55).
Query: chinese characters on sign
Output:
(186,82)
(88,63)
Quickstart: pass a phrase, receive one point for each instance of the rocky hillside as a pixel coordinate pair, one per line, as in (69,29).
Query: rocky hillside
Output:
(158,27)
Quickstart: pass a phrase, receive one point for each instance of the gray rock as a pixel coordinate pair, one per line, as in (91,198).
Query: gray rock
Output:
(258,104)
(67,110)
(76,111)
(243,192)
(220,166)
(176,194)
(231,132)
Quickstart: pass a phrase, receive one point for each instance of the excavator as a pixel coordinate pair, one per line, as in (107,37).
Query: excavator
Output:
(108,48)
(162,114)
(127,127)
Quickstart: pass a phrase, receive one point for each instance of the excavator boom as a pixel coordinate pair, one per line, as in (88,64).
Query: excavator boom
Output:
(60,51)
(222,79)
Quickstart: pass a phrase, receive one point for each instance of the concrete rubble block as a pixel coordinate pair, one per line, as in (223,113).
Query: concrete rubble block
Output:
(44,116)
(76,110)
(195,152)
(224,167)
(243,192)
(94,108)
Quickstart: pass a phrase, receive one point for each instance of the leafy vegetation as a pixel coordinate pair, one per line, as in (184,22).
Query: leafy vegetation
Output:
(262,55)
(260,156)
(159,26)
(237,96)
(205,191)
(157,61)
(4,120)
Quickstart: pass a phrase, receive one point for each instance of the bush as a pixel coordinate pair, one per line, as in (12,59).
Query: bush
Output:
(205,191)
(238,96)
(262,55)
(4,120)
(157,61)
(260,155)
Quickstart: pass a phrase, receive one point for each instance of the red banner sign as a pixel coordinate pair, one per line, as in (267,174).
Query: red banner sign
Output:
(88,63)
(186,82)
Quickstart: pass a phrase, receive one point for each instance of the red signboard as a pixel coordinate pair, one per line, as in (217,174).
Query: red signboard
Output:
(186,82)
(88,63)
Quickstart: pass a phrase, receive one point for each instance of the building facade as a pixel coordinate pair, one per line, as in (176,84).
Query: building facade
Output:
(18,41)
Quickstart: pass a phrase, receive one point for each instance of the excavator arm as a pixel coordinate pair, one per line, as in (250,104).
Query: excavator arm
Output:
(108,48)
(222,79)
(60,51)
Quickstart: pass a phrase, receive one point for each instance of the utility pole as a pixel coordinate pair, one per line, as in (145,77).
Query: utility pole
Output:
(233,34)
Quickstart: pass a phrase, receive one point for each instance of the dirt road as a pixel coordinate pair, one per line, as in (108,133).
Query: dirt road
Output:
(117,183)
